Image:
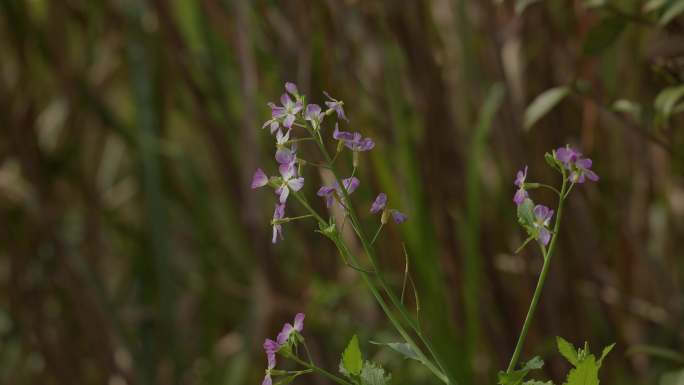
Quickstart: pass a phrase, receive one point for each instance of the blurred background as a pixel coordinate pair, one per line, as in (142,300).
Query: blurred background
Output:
(132,250)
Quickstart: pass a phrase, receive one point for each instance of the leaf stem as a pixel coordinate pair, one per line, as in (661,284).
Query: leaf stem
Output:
(321,371)
(541,280)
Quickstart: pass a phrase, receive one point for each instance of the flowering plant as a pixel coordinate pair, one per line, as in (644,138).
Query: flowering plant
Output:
(296,122)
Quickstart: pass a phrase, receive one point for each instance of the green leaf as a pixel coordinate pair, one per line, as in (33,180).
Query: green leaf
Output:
(536,382)
(525,213)
(567,350)
(605,352)
(673,10)
(672,378)
(374,374)
(585,373)
(603,35)
(666,101)
(516,377)
(351,358)
(628,107)
(402,348)
(543,103)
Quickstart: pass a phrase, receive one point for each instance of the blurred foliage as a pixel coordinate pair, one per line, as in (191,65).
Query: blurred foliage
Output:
(133,252)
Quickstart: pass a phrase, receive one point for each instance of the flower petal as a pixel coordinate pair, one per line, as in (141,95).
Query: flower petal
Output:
(541,212)
(399,217)
(379,203)
(299,322)
(520,196)
(291,88)
(284,193)
(296,184)
(592,176)
(351,184)
(544,236)
(284,156)
(259,179)
(289,119)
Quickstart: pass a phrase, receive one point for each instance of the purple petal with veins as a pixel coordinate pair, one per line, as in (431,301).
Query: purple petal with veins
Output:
(259,179)
(379,203)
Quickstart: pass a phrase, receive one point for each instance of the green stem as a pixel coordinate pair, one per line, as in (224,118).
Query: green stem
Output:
(393,298)
(321,371)
(540,281)
(377,233)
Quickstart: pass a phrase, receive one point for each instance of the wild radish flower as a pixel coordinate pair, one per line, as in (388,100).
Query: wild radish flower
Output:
(283,154)
(398,216)
(380,204)
(330,192)
(259,179)
(292,89)
(270,347)
(289,181)
(335,105)
(278,214)
(582,171)
(342,136)
(287,112)
(296,327)
(580,168)
(567,155)
(521,194)
(314,115)
(542,220)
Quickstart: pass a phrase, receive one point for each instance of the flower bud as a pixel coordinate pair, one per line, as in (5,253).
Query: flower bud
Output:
(384,218)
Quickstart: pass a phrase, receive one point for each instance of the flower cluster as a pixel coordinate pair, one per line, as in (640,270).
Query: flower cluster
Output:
(380,204)
(294,112)
(580,168)
(537,218)
(285,339)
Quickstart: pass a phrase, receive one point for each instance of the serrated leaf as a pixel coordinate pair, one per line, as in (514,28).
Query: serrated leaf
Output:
(535,382)
(603,35)
(516,377)
(543,103)
(567,350)
(351,357)
(585,373)
(373,374)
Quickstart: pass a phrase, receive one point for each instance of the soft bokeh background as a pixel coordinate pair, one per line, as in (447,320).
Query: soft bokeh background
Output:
(132,250)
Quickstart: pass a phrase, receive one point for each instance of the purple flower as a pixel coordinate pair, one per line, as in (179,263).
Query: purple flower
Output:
(290,181)
(270,347)
(287,111)
(353,140)
(283,154)
(313,114)
(278,214)
(335,105)
(542,219)
(342,135)
(582,171)
(521,193)
(580,168)
(286,332)
(329,192)
(379,203)
(398,216)
(567,155)
(259,179)
(291,88)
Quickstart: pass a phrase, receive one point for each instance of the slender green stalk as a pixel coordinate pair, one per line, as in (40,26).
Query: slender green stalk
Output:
(542,278)
(321,371)
(393,298)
